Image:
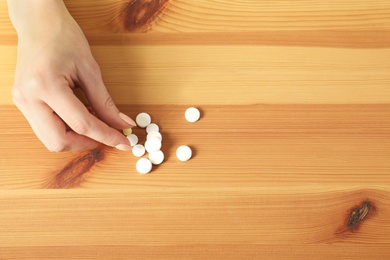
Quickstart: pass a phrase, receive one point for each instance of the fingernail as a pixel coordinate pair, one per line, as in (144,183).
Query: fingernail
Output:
(123,147)
(127,119)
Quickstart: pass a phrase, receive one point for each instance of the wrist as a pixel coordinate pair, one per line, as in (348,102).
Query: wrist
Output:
(31,17)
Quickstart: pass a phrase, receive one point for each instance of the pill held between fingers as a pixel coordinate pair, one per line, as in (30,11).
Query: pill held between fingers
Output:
(152,144)
(133,139)
(143,119)
(138,150)
(127,131)
(156,157)
(143,165)
(154,134)
(184,153)
(192,114)
(152,127)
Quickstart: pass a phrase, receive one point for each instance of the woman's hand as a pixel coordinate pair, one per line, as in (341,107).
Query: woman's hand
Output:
(54,57)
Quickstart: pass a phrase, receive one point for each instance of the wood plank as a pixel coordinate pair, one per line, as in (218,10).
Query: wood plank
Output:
(241,20)
(171,74)
(324,251)
(197,218)
(340,251)
(235,146)
(235,16)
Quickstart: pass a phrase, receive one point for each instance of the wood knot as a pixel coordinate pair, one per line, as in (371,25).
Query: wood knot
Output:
(359,214)
(75,171)
(139,14)
(356,216)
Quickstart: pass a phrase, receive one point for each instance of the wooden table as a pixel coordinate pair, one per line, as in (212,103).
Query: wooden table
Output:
(291,155)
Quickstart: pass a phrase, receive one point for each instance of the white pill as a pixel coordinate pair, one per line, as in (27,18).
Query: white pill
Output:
(156,157)
(192,114)
(154,134)
(143,119)
(127,131)
(143,165)
(152,144)
(133,139)
(152,127)
(138,150)
(183,153)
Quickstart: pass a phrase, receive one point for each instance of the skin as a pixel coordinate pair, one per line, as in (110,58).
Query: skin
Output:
(54,58)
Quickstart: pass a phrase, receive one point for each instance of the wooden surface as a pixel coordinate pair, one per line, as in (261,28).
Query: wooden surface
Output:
(291,155)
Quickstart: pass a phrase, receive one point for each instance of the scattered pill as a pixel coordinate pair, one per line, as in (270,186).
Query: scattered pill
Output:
(152,144)
(143,165)
(152,127)
(143,119)
(192,114)
(133,139)
(127,131)
(183,153)
(154,134)
(138,150)
(153,141)
(156,157)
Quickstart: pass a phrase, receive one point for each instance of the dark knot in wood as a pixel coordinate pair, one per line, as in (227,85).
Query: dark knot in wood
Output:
(76,170)
(139,14)
(359,214)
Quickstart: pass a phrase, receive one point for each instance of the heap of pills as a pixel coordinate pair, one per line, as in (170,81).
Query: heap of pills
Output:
(153,141)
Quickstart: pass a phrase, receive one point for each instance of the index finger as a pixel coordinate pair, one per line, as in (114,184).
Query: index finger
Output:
(73,112)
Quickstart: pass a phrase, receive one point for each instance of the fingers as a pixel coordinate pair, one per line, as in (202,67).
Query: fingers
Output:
(76,116)
(52,132)
(100,100)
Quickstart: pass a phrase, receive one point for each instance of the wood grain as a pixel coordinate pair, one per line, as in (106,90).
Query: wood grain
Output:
(242,15)
(283,65)
(248,75)
(238,146)
(235,16)
(291,155)
(179,217)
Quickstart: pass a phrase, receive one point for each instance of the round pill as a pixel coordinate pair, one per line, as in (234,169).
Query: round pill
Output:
(138,150)
(192,114)
(133,139)
(127,131)
(152,144)
(154,134)
(143,119)
(143,165)
(152,127)
(183,153)
(156,157)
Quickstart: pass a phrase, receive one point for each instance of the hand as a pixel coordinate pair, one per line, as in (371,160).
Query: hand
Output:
(54,57)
